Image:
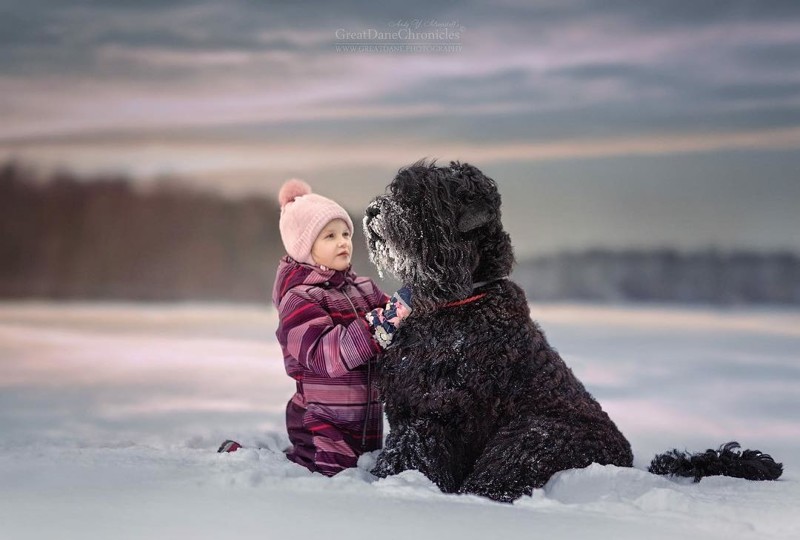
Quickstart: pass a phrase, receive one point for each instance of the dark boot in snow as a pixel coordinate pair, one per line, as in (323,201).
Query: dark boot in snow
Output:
(229,446)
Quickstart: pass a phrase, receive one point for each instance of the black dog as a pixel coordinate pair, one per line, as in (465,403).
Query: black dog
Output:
(476,398)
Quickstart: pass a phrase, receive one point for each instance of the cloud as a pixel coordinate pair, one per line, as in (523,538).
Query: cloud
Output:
(138,67)
(374,148)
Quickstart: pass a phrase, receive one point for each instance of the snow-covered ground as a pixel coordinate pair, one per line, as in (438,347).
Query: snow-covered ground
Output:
(110,415)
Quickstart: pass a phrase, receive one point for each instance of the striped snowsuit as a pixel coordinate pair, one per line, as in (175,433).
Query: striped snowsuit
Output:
(326,346)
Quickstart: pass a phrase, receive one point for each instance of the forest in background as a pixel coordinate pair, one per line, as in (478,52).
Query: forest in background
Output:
(664,275)
(64,237)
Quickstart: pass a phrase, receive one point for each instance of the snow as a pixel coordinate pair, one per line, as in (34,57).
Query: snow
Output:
(110,416)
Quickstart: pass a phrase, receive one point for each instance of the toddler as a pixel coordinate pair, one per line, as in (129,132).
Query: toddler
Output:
(328,344)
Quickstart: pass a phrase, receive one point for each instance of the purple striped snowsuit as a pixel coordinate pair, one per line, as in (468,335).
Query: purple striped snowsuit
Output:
(327,345)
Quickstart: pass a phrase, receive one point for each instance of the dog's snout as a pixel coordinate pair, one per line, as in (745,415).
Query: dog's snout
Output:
(373,209)
(372,218)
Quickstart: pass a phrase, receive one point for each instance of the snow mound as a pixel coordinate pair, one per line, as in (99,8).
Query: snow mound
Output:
(407,484)
(602,483)
(731,506)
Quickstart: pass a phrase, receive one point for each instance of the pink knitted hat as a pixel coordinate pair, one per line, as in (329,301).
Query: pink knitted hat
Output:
(303,215)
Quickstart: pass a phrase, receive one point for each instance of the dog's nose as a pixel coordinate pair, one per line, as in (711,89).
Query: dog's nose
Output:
(373,209)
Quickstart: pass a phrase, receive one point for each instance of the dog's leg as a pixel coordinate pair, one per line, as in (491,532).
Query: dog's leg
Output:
(411,447)
(525,454)
(392,459)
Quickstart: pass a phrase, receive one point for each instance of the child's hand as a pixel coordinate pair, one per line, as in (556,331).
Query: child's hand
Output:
(382,330)
(399,306)
(384,321)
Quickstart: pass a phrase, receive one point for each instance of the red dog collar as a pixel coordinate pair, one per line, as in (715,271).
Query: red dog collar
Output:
(465,300)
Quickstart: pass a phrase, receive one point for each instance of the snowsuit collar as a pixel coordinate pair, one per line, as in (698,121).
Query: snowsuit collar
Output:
(292,273)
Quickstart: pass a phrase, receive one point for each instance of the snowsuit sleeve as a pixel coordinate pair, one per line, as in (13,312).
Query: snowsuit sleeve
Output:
(375,297)
(381,299)
(307,332)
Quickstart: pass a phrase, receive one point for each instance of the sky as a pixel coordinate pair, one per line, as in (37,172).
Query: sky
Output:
(612,124)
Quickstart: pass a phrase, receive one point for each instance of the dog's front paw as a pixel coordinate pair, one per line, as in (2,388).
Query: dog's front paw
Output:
(386,465)
(396,455)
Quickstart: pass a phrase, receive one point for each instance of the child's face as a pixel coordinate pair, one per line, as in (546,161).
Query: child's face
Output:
(333,246)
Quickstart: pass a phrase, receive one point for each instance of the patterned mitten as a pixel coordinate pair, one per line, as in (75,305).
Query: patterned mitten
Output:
(384,321)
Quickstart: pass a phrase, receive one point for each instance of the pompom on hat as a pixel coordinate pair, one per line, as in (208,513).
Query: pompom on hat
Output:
(303,215)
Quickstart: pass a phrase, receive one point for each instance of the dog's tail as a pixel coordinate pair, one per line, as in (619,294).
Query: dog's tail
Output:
(726,461)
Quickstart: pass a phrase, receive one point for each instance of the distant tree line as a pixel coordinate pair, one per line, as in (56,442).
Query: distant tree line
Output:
(64,237)
(709,277)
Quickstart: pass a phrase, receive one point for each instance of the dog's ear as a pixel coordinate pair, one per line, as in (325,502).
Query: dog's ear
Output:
(473,217)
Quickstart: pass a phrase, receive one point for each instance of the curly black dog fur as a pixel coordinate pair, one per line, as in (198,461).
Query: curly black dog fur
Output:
(726,461)
(476,398)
